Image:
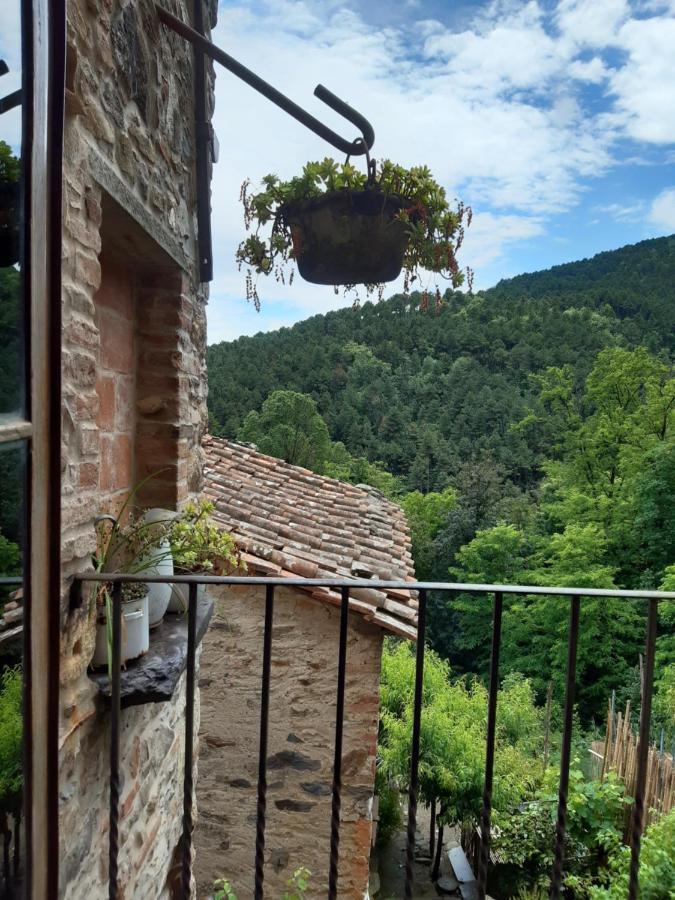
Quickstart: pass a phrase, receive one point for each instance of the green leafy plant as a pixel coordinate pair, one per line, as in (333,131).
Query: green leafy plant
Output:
(657,865)
(525,837)
(435,230)
(389,816)
(11,735)
(124,543)
(452,737)
(198,545)
(296,887)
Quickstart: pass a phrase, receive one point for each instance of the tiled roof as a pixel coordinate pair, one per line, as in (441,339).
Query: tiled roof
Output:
(287,521)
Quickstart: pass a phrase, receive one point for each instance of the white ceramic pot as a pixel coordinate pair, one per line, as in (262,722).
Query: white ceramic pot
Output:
(158,562)
(135,633)
(179,597)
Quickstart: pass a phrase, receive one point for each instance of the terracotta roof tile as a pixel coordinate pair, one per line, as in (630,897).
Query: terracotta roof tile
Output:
(290,522)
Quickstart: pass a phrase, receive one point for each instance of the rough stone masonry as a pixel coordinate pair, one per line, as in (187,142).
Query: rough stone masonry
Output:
(134,399)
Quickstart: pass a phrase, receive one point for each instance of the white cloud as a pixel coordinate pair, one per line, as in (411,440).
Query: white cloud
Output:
(624,212)
(490,236)
(591,23)
(662,212)
(645,85)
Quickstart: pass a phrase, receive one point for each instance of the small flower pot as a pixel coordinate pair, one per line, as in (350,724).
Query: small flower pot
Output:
(348,237)
(158,562)
(135,632)
(9,223)
(180,596)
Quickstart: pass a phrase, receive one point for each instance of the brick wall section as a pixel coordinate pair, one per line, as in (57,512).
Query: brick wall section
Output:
(128,147)
(116,381)
(301,736)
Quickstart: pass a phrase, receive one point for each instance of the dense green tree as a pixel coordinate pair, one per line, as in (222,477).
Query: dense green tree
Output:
(452,736)
(289,426)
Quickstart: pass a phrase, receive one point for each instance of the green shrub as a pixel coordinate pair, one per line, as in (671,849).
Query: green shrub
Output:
(595,813)
(389,810)
(11,734)
(657,865)
(296,886)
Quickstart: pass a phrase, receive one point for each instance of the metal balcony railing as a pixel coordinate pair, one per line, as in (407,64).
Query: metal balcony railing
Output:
(574,596)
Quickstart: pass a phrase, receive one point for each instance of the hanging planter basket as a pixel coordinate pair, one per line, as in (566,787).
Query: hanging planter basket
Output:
(342,227)
(348,237)
(9,223)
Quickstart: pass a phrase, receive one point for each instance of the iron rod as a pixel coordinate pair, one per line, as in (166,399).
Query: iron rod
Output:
(376,584)
(637,822)
(353,148)
(337,763)
(188,818)
(415,747)
(115,713)
(11,101)
(486,812)
(262,752)
(561,823)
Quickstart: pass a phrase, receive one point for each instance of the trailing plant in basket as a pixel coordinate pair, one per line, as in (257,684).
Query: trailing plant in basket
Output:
(411,212)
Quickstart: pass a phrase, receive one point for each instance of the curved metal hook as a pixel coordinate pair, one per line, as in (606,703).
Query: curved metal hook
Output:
(355,147)
(352,115)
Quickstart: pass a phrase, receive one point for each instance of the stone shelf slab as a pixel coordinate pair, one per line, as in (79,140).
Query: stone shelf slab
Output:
(153,678)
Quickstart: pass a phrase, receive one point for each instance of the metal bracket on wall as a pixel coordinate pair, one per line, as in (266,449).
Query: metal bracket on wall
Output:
(11,100)
(203,47)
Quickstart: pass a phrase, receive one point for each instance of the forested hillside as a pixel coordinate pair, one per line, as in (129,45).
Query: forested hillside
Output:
(423,393)
(529,433)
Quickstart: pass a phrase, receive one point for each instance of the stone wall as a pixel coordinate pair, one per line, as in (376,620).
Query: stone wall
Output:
(134,391)
(152,753)
(301,741)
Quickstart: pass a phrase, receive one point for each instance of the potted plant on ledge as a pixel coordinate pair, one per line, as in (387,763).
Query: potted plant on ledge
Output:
(199,547)
(139,546)
(343,227)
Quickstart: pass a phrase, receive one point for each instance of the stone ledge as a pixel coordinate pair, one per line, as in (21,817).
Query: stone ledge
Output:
(153,678)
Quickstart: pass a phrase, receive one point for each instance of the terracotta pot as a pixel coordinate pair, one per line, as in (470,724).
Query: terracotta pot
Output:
(348,237)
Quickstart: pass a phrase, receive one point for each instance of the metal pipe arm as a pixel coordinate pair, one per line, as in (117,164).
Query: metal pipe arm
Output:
(353,148)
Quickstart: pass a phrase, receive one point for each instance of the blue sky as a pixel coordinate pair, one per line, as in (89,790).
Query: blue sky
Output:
(554,120)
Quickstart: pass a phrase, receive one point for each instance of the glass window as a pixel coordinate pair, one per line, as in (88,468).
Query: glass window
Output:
(11,318)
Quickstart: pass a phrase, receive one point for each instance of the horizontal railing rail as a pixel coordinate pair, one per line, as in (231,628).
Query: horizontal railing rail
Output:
(343,587)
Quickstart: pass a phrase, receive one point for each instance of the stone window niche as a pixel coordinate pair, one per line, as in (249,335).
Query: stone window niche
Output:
(142,316)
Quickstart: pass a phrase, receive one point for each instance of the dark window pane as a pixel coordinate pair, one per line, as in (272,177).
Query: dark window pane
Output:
(12,463)
(11,320)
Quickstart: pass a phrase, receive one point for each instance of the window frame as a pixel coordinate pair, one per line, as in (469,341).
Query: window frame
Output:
(43,25)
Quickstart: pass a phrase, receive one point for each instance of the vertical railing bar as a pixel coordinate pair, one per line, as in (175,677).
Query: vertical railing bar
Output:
(415,747)
(637,821)
(262,752)
(561,823)
(337,764)
(485,822)
(188,820)
(115,713)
